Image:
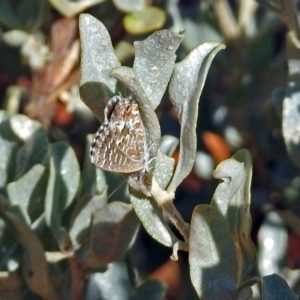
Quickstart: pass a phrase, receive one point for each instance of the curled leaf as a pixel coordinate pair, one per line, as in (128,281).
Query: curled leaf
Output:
(185,88)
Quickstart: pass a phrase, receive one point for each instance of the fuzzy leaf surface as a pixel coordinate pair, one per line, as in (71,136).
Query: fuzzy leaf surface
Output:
(92,178)
(97,60)
(185,88)
(21,192)
(113,229)
(232,198)
(62,185)
(154,62)
(72,8)
(148,212)
(212,258)
(34,267)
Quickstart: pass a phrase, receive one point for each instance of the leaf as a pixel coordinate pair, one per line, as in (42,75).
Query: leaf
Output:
(62,185)
(7,15)
(163,169)
(168,144)
(113,230)
(92,178)
(154,62)
(97,61)
(185,88)
(23,127)
(69,8)
(144,21)
(152,290)
(33,152)
(275,288)
(129,5)
(9,145)
(21,192)
(35,139)
(35,269)
(82,217)
(232,198)
(212,258)
(152,218)
(291,102)
(15,38)
(114,284)
(148,212)
(273,240)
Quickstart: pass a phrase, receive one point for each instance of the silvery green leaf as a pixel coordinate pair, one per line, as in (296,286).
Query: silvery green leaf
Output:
(34,267)
(114,284)
(21,192)
(82,217)
(168,144)
(23,127)
(112,231)
(97,60)
(163,169)
(232,198)
(93,179)
(62,186)
(185,88)
(9,145)
(15,38)
(152,219)
(69,8)
(148,212)
(34,151)
(213,257)
(272,244)
(129,5)
(154,62)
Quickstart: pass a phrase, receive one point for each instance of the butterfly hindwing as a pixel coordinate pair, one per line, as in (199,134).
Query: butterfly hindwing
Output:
(120,142)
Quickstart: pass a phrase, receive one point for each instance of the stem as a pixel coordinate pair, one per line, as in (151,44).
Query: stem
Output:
(226,20)
(77,279)
(164,199)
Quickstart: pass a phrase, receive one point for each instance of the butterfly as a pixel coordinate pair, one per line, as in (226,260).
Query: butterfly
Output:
(120,143)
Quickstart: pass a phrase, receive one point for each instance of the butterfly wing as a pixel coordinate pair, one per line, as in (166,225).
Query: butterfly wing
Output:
(105,154)
(128,130)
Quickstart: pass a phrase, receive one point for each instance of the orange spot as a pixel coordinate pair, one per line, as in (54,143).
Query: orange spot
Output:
(217,146)
(176,156)
(62,117)
(170,274)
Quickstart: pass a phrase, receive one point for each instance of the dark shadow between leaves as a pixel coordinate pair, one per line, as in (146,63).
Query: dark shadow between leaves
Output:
(107,241)
(95,95)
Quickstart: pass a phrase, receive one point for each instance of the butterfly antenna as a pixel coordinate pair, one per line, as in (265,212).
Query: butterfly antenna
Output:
(114,191)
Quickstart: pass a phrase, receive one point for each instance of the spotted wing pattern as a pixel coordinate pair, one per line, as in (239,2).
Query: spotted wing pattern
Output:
(120,143)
